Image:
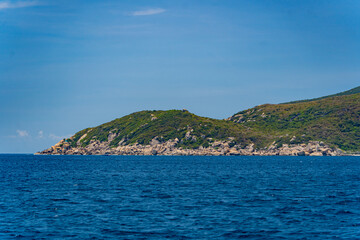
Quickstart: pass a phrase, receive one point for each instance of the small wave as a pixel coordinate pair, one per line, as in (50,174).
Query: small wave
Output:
(343,212)
(59,199)
(344,202)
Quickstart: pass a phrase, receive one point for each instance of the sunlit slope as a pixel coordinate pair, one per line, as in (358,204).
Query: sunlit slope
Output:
(334,120)
(191,130)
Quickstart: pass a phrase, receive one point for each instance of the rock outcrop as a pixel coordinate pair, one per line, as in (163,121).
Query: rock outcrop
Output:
(217,148)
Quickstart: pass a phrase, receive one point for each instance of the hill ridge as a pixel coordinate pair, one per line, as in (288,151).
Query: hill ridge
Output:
(327,126)
(347,92)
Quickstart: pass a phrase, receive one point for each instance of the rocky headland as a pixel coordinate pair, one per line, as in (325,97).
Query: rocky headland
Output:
(327,126)
(217,148)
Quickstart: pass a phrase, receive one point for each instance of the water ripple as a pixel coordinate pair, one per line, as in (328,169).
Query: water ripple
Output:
(127,197)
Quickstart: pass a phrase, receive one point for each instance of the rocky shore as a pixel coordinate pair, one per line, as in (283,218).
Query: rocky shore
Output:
(217,148)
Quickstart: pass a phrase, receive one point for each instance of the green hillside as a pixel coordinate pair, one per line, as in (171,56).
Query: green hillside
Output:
(142,127)
(333,119)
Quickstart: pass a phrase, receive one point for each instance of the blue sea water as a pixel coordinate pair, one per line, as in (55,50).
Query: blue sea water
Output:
(163,197)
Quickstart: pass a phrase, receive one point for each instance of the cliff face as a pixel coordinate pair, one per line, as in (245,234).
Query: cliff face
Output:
(328,126)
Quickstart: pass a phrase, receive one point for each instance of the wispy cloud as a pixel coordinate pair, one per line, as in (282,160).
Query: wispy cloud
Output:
(22,133)
(41,134)
(17,4)
(150,11)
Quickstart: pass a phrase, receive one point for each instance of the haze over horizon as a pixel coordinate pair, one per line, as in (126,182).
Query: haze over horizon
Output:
(68,65)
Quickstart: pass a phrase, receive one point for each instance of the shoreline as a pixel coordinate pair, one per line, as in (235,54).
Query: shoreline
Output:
(169,148)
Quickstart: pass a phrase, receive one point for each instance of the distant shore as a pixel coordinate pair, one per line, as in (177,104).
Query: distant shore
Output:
(218,148)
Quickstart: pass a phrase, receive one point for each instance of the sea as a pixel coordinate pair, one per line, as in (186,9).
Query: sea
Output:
(179,197)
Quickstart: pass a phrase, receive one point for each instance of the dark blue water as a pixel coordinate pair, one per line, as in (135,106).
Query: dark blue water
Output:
(126,197)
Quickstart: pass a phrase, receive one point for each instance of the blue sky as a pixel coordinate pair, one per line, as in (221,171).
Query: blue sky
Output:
(68,65)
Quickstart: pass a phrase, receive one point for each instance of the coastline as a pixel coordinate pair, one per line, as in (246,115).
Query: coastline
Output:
(218,148)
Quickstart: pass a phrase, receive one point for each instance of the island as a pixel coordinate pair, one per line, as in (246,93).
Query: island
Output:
(326,126)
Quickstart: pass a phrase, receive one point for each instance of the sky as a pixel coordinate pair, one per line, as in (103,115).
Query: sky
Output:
(69,65)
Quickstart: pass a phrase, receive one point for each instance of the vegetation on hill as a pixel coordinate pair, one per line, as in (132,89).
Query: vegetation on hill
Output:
(334,120)
(192,131)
